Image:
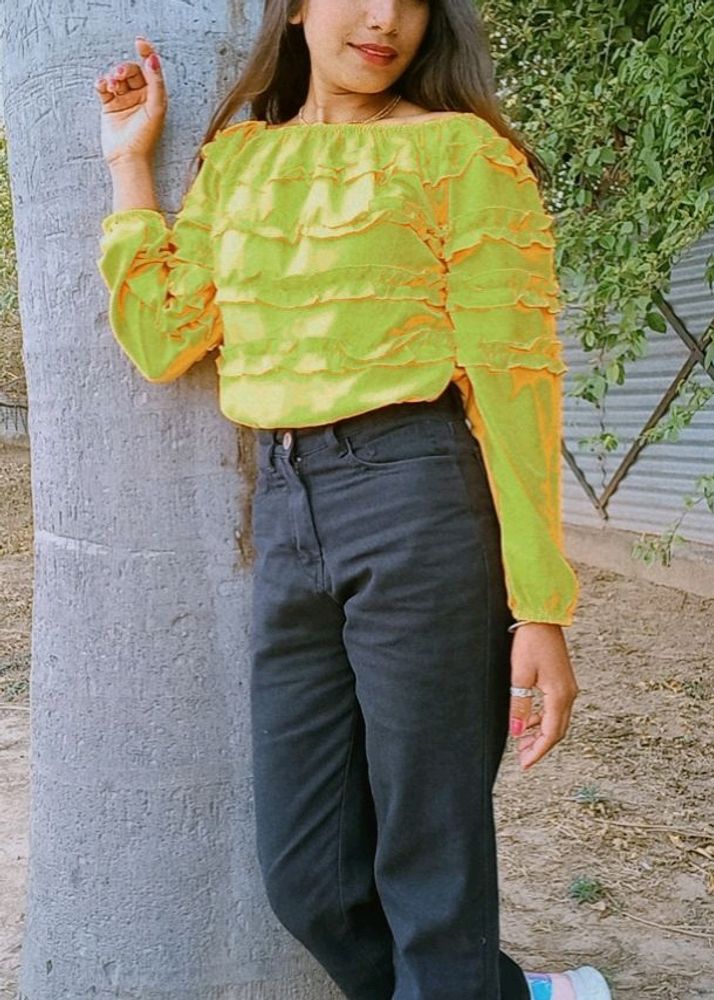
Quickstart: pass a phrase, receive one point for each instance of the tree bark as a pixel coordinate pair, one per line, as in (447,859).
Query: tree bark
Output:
(143,880)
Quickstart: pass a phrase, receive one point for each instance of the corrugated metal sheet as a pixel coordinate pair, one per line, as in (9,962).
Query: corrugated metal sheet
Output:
(13,422)
(650,497)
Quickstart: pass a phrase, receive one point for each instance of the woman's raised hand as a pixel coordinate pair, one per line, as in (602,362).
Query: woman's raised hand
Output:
(134,105)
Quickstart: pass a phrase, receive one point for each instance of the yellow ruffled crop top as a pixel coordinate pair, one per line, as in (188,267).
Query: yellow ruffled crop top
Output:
(341,267)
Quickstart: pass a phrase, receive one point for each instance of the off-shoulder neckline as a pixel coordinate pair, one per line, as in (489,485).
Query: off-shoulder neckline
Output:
(360,126)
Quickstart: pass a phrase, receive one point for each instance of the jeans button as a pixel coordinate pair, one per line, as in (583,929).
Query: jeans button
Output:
(287,439)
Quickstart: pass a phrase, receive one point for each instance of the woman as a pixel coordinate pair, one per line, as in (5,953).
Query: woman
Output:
(371,257)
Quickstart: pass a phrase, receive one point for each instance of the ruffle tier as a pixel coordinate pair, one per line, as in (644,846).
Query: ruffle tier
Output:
(313,354)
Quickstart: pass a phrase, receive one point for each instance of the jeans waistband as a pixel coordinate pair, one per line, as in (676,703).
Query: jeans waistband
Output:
(449,403)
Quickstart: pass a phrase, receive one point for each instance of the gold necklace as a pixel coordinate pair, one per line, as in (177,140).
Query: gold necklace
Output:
(380,114)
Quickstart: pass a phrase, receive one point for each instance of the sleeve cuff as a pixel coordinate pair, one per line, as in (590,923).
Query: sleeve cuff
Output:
(152,218)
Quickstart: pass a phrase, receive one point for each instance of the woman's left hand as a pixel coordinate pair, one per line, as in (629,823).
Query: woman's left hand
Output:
(539,658)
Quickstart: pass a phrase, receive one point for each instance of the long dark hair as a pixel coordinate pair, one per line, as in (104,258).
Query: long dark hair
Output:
(451,71)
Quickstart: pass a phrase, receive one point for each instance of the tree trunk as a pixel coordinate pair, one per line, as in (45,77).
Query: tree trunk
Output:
(143,880)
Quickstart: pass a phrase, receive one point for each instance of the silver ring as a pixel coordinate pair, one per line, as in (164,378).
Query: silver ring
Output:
(522,692)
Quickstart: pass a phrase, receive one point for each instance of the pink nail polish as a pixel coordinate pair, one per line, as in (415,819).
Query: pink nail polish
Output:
(153,61)
(516,727)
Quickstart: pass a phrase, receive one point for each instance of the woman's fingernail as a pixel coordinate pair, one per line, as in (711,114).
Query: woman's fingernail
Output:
(153,61)
(120,68)
(516,727)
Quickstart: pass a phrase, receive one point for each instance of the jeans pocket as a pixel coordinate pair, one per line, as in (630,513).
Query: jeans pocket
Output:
(467,444)
(477,452)
(399,444)
(472,467)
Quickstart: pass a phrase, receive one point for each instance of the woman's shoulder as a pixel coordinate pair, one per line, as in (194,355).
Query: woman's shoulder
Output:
(223,151)
(225,140)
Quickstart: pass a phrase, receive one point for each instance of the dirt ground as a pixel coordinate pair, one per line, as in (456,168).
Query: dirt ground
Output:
(606,846)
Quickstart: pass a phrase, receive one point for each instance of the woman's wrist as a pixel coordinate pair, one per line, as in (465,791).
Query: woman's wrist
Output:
(133,183)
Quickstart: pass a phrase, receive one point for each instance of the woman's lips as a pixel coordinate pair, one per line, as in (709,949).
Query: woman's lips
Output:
(369,55)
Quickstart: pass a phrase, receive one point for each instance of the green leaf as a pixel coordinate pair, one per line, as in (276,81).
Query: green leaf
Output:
(656,321)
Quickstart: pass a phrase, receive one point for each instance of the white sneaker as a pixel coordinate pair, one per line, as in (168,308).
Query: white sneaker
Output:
(583,983)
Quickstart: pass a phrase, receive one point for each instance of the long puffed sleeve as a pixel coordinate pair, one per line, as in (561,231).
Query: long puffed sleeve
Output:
(503,298)
(162,306)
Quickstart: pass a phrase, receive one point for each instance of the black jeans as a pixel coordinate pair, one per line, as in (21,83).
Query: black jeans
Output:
(379,698)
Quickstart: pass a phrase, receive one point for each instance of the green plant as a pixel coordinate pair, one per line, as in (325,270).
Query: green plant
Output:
(585,889)
(588,794)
